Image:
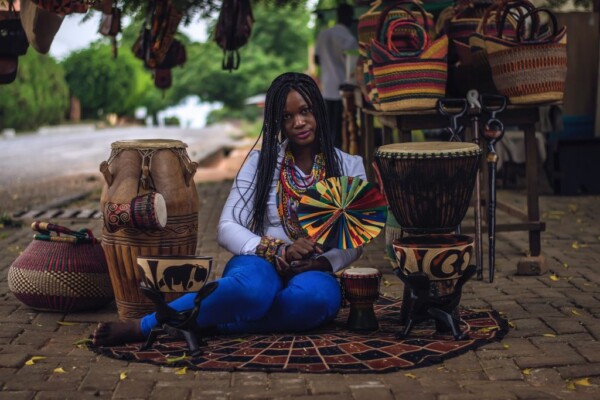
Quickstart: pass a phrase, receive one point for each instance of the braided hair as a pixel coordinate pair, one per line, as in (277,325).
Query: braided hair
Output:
(272,136)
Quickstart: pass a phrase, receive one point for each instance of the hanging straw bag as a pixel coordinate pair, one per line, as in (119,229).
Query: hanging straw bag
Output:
(409,70)
(61,270)
(531,69)
(40,25)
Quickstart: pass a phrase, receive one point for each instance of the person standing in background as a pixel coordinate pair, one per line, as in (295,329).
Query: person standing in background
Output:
(331,45)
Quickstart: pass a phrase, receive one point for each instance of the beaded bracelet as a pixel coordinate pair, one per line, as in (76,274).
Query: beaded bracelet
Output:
(268,248)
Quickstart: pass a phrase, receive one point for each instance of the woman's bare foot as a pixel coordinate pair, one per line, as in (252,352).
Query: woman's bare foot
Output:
(113,333)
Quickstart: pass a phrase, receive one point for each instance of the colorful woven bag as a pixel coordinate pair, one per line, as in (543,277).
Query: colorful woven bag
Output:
(530,70)
(409,70)
(61,273)
(368,22)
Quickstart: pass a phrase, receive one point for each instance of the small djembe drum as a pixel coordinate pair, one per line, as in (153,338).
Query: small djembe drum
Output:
(146,211)
(361,289)
(139,168)
(428,184)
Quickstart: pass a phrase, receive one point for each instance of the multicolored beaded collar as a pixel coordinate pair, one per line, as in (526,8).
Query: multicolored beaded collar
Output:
(291,187)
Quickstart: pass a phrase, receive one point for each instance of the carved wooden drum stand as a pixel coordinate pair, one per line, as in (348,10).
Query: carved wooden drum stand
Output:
(176,274)
(429,187)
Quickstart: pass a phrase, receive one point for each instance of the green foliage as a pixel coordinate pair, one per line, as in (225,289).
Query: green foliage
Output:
(278,44)
(102,83)
(248,113)
(39,95)
(172,121)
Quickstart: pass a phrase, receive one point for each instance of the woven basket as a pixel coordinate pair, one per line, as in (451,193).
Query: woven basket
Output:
(413,77)
(530,70)
(368,22)
(61,273)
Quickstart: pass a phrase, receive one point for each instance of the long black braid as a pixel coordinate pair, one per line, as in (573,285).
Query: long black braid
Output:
(272,136)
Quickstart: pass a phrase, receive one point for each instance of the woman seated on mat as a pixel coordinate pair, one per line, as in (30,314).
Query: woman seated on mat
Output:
(278,279)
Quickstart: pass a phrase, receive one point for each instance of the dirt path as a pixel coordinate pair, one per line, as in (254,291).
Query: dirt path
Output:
(57,192)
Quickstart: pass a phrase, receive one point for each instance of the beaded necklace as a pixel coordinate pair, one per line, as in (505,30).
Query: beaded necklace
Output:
(291,187)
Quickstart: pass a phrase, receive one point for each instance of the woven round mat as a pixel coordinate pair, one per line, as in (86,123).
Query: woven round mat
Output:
(330,349)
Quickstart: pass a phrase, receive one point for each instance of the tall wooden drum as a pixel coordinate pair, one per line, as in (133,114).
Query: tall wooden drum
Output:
(428,184)
(134,168)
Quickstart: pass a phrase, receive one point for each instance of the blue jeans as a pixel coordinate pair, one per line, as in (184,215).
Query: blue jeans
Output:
(252,298)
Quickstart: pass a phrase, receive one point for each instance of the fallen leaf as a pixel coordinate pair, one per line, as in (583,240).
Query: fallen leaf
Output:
(82,341)
(411,376)
(59,370)
(181,371)
(33,359)
(66,323)
(570,385)
(565,265)
(549,335)
(573,208)
(512,324)
(575,245)
(527,371)
(575,312)
(583,382)
(122,376)
(505,346)
(171,360)
(488,329)
(554,277)
(388,283)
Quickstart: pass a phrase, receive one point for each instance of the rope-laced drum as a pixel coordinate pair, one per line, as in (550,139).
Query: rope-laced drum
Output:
(428,184)
(135,169)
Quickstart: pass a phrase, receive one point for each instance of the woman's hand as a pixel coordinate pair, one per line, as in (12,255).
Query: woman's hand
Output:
(301,249)
(312,264)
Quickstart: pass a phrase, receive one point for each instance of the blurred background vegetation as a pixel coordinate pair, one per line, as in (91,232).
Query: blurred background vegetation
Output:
(104,85)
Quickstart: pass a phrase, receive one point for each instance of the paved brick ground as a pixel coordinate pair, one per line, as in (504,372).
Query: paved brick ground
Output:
(551,352)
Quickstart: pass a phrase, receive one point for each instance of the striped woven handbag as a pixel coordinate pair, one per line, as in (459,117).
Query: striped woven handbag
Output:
(532,69)
(409,9)
(61,273)
(409,70)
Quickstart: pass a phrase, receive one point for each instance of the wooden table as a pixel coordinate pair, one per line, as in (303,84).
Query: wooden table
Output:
(524,117)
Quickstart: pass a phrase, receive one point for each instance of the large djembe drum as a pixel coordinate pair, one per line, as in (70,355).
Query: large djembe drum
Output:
(428,184)
(429,187)
(136,168)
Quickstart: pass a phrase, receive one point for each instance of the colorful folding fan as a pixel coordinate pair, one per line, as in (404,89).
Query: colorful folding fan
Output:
(342,212)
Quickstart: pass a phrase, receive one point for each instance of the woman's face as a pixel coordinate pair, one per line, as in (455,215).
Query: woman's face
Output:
(299,123)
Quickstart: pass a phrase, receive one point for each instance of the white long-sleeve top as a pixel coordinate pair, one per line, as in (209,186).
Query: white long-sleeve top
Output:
(238,239)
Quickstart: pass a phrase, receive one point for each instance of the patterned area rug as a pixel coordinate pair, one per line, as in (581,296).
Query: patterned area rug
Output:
(330,349)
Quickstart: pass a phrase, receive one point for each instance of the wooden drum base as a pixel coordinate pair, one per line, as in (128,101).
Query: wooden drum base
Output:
(362,318)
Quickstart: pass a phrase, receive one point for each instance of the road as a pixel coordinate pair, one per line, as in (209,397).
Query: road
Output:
(36,157)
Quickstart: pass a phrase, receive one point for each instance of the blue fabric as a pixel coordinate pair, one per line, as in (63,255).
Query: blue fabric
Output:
(252,298)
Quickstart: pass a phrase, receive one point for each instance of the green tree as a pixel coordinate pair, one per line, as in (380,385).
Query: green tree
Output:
(39,95)
(278,44)
(102,83)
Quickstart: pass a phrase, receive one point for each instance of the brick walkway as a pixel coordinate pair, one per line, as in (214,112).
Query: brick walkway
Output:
(552,351)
